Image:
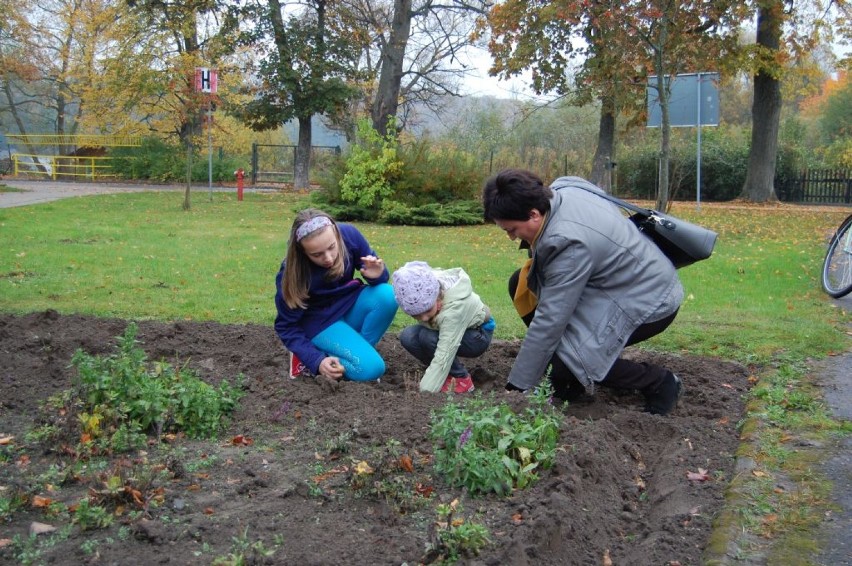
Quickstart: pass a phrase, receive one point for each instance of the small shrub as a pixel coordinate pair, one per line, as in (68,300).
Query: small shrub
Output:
(123,395)
(89,517)
(459,213)
(490,448)
(454,537)
(371,168)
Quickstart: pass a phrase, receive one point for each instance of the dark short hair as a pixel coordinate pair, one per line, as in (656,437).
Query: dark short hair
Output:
(512,194)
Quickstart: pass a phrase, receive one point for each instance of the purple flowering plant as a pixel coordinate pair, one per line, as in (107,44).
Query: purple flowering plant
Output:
(486,446)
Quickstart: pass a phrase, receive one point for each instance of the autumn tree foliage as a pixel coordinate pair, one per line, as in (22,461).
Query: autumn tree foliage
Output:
(616,48)
(305,68)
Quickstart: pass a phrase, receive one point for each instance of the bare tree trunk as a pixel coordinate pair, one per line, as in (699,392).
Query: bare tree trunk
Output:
(602,162)
(390,77)
(13,109)
(302,166)
(759,184)
(663,86)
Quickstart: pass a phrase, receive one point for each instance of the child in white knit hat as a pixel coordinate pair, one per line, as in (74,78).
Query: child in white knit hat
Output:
(453,322)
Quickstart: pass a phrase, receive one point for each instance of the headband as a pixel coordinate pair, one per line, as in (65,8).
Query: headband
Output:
(311,226)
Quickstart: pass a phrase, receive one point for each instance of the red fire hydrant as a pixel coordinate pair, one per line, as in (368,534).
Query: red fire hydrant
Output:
(240,174)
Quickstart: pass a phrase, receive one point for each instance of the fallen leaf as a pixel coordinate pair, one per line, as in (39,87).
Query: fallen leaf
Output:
(363,468)
(208,511)
(700,475)
(517,518)
(39,501)
(5,542)
(241,440)
(727,386)
(607,561)
(424,490)
(405,463)
(4,440)
(759,474)
(723,421)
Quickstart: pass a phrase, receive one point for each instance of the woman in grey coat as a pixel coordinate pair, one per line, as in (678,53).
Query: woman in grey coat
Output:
(593,285)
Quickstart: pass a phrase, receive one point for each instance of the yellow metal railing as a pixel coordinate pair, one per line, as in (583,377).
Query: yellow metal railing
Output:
(62,166)
(77,140)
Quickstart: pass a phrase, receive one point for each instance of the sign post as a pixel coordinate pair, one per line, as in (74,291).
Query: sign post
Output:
(694,101)
(207,81)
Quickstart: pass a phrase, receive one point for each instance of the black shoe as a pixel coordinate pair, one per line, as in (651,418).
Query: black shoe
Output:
(664,399)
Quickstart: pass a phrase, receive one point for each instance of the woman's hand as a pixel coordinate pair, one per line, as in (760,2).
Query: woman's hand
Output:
(373,267)
(332,368)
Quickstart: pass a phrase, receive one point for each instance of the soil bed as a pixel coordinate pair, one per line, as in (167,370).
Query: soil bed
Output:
(619,488)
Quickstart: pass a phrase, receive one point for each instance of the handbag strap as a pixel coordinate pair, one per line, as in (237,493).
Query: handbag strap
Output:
(615,200)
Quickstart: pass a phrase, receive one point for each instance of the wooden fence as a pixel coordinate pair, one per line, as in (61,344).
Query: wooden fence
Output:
(827,186)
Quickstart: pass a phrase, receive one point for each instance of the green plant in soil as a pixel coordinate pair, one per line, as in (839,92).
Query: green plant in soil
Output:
(124,396)
(244,552)
(453,537)
(487,447)
(89,517)
(390,474)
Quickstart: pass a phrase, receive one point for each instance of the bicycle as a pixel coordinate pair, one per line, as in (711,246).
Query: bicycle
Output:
(837,267)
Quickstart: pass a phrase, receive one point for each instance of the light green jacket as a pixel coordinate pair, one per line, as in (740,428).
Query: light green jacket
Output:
(462,309)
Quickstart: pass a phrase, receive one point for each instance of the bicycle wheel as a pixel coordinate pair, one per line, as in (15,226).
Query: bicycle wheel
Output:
(837,267)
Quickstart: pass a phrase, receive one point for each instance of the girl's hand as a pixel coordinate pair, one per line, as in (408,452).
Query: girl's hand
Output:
(373,267)
(332,368)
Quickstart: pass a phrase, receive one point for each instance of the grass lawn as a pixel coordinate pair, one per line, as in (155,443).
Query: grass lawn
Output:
(140,256)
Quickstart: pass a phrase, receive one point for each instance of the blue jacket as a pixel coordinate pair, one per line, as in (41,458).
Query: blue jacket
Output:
(327,301)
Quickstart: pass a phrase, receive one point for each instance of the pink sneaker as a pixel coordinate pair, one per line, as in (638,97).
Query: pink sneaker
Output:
(459,384)
(297,368)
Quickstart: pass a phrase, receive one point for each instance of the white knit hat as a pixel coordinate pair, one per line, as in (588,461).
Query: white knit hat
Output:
(415,287)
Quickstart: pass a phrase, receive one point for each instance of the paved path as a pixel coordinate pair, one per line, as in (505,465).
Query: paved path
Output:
(836,382)
(36,192)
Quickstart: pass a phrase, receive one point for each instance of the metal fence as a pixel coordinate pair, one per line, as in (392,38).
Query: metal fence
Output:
(823,186)
(62,166)
(272,163)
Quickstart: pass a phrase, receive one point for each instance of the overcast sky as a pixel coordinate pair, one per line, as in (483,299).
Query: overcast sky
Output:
(479,83)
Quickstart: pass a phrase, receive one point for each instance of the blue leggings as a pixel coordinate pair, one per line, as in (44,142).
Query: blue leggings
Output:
(352,339)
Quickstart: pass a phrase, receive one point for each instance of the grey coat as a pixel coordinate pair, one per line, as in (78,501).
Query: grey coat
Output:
(597,278)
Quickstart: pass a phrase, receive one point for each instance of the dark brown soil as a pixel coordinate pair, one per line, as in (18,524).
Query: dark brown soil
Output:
(619,490)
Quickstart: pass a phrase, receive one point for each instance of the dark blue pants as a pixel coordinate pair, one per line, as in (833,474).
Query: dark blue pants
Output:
(421,342)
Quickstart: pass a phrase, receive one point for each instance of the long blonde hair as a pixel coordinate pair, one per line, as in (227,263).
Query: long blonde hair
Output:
(297,269)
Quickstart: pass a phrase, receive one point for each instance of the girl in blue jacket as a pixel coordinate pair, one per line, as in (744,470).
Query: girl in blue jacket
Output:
(329,319)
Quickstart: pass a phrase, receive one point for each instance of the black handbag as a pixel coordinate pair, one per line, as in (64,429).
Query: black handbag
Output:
(682,242)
